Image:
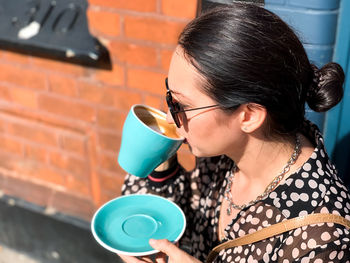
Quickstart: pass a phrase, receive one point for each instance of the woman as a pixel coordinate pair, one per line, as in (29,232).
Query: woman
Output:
(236,89)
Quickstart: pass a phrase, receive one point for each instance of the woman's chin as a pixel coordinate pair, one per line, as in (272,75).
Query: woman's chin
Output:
(196,152)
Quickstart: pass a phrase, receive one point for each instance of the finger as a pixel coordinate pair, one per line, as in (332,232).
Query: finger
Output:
(161,258)
(174,253)
(166,247)
(146,259)
(129,259)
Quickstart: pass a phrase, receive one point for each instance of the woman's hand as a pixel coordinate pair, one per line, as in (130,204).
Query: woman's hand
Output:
(167,249)
(167,164)
(158,258)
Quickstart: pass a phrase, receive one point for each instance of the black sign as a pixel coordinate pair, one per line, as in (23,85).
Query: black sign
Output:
(56,29)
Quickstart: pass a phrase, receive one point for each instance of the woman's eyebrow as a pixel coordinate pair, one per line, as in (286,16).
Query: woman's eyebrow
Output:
(180,97)
(175,92)
(178,94)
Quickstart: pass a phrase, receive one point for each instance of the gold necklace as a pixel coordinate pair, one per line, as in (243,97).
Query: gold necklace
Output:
(268,189)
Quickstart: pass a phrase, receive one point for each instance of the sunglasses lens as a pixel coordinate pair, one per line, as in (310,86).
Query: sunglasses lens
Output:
(173,107)
(176,119)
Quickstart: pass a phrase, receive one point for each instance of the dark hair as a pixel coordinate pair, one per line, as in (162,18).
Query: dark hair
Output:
(249,55)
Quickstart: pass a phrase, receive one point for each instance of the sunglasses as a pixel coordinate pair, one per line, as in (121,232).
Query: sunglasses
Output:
(176,109)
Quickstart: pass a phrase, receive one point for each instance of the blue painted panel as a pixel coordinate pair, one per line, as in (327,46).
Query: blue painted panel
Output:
(345,113)
(313,27)
(337,121)
(315,4)
(341,154)
(319,55)
(316,117)
(341,55)
(280,2)
(315,23)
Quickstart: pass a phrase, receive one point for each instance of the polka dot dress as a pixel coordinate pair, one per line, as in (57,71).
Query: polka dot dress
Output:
(314,188)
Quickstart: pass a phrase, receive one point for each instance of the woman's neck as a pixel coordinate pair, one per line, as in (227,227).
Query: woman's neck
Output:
(261,160)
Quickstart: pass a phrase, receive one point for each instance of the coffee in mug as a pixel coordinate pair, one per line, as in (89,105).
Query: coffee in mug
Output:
(156,121)
(147,140)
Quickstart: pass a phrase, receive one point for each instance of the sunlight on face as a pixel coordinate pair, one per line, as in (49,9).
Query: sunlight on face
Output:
(204,131)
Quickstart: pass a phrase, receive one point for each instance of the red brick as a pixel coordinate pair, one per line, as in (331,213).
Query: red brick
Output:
(23,97)
(28,191)
(83,103)
(155,102)
(112,184)
(166,58)
(35,153)
(112,119)
(23,77)
(97,94)
(134,54)
(106,197)
(124,99)
(135,5)
(16,57)
(29,170)
(5,92)
(3,124)
(109,141)
(152,29)
(8,162)
(67,108)
(2,177)
(109,162)
(78,185)
(44,173)
(70,164)
(2,127)
(111,77)
(10,145)
(33,133)
(93,93)
(45,64)
(72,204)
(73,143)
(102,22)
(180,8)
(62,85)
(145,80)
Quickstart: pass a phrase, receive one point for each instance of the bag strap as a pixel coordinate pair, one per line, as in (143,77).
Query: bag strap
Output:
(277,229)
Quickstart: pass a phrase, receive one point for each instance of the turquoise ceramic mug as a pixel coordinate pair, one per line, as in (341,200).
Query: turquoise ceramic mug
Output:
(147,140)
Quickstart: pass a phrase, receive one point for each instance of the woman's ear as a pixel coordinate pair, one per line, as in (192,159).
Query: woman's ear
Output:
(252,117)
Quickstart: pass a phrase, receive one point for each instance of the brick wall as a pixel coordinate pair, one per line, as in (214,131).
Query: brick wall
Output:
(60,124)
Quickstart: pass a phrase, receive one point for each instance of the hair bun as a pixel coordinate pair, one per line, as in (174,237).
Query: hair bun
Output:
(326,89)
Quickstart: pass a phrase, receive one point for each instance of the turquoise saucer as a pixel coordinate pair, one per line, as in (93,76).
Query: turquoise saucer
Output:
(124,225)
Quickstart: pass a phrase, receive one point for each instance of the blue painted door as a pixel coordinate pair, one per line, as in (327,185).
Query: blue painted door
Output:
(324,29)
(337,121)
(315,22)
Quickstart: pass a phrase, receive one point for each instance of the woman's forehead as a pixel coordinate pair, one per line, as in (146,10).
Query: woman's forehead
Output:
(183,78)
